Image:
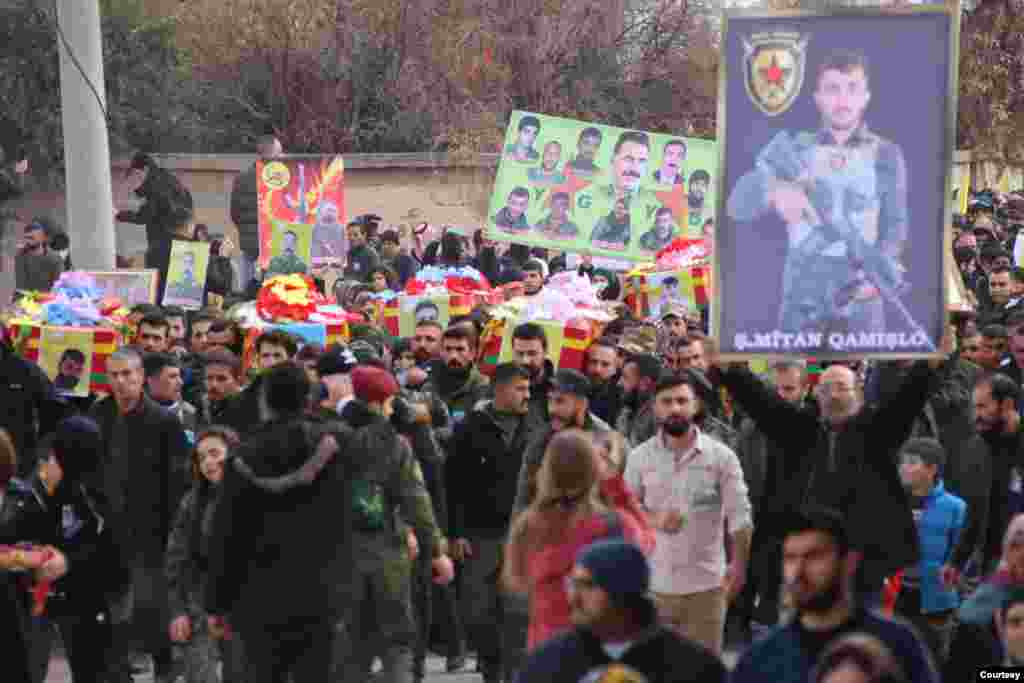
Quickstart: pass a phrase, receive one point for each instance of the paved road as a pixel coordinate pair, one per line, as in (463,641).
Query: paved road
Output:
(59,672)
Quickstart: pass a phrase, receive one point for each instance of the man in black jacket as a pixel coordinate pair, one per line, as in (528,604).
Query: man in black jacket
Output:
(245,209)
(143,474)
(616,634)
(845,461)
(481,476)
(279,583)
(32,407)
(166,212)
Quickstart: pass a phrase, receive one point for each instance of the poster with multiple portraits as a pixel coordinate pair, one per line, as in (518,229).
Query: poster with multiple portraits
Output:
(836,137)
(186,275)
(576,186)
(301,212)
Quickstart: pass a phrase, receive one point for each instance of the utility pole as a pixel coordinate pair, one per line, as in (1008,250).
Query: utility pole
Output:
(89,200)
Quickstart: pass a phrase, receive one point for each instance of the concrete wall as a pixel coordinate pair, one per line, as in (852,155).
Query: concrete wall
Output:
(404,189)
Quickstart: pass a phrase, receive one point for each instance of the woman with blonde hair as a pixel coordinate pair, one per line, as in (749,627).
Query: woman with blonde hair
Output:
(581,497)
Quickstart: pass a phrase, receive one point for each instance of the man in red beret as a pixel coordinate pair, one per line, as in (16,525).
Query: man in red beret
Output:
(387,477)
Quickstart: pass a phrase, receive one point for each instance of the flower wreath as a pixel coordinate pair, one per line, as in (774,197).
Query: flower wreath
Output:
(288,298)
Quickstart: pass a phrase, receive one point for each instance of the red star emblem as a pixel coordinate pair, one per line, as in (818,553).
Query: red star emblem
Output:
(773,74)
(675,200)
(573,184)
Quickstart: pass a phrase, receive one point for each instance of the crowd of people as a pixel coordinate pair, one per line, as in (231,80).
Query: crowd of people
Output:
(635,519)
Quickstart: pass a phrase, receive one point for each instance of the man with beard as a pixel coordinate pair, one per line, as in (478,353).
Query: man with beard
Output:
(557,224)
(613,231)
(847,459)
(672,158)
(691,584)
(455,379)
(481,476)
(568,408)
(818,564)
(602,370)
(640,375)
(700,181)
(327,233)
(548,174)
(761,460)
(863,179)
(998,422)
(661,233)
(586,151)
(530,349)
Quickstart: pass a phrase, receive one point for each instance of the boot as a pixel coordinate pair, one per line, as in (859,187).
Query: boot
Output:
(398,665)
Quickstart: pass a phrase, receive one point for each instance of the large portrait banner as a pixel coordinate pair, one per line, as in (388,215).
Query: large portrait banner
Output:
(301,212)
(836,141)
(581,187)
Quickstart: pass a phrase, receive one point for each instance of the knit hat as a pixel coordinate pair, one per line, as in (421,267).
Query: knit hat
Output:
(569,381)
(338,361)
(372,384)
(363,350)
(77,444)
(618,568)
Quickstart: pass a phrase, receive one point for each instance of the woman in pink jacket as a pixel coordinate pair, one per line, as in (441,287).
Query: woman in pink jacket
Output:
(581,497)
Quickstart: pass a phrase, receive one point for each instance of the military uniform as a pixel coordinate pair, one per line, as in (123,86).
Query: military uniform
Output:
(286,264)
(859,189)
(649,241)
(504,221)
(560,231)
(388,486)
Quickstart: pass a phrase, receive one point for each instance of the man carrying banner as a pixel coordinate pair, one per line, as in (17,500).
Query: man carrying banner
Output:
(842,192)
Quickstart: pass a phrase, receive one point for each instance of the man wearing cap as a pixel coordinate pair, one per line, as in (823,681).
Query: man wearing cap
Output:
(568,408)
(386,479)
(333,368)
(692,487)
(617,636)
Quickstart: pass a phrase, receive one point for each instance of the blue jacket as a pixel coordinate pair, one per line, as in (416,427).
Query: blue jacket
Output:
(942,520)
(779,657)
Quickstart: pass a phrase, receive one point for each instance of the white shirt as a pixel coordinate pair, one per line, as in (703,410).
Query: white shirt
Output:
(705,485)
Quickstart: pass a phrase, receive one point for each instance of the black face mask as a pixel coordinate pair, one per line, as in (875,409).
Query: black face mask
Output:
(677,426)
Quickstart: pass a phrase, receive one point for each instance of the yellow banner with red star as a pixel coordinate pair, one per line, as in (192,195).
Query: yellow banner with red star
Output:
(583,187)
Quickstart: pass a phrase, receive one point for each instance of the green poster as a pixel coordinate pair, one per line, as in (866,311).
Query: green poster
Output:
(575,186)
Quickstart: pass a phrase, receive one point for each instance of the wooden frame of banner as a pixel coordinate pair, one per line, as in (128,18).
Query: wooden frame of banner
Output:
(949,8)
